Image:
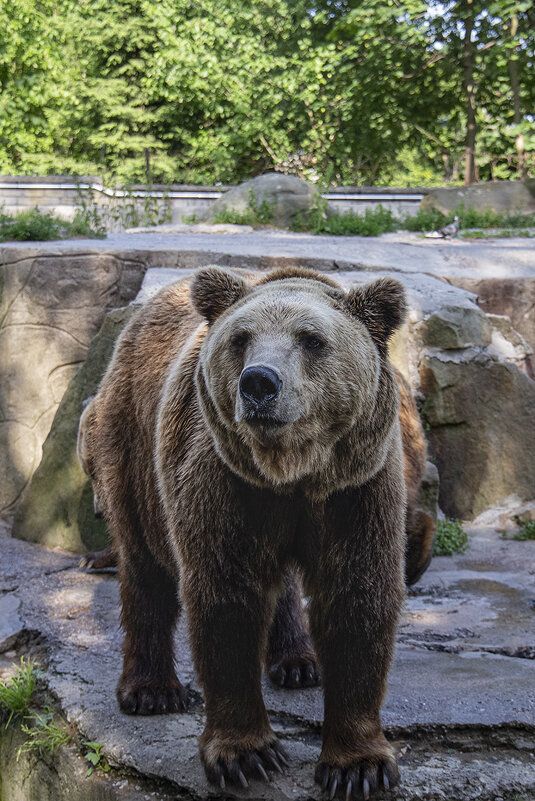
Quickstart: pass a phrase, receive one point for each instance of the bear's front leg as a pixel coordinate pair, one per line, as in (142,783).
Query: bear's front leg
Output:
(357,593)
(228,622)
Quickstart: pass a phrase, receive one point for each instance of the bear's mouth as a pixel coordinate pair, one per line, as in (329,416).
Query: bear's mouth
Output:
(259,419)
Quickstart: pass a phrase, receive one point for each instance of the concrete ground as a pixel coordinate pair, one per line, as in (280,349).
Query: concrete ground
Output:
(460,706)
(402,251)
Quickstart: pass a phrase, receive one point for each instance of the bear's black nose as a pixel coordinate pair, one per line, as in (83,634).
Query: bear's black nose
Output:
(259,384)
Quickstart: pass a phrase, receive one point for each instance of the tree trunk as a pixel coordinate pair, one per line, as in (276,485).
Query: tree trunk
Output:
(148,179)
(517,114)
(468,61)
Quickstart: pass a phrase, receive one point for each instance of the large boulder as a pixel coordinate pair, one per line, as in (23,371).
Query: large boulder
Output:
(287,195)
(479,407)
(453,327)
(480,412)
(500,196)
(512,297)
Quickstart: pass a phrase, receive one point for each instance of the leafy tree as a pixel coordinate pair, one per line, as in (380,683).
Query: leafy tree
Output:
(29,76)
(361,91)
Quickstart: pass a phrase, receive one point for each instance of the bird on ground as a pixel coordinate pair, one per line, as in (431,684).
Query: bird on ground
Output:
(448,231)
(451,230)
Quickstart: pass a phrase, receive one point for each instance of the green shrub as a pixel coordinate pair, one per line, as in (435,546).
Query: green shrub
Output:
(373,222)
(519,220)
(233,217)
(450,538)
(34,225)
(425,220)
(30,225)
(526,531)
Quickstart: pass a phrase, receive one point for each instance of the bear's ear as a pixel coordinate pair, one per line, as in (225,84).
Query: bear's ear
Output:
(381,306)
(213,290)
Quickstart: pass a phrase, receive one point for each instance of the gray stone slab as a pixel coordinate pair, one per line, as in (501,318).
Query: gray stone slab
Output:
(401,251)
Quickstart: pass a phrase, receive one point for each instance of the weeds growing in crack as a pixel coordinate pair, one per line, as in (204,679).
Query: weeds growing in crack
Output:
(44,732)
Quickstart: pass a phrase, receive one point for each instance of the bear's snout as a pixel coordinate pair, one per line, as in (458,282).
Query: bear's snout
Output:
(259,385)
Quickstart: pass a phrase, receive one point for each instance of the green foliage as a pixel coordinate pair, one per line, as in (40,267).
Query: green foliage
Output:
(379,220)
(38,226)
(30,225)
(450,538)
(44,733)
(169,90)
(426,220)
(432,220)
(16,694)
(526,531)
(96,758)
(125,210)
(372,223)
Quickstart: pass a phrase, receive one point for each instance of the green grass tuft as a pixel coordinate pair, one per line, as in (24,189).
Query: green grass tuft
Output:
(450,538)
(16,694)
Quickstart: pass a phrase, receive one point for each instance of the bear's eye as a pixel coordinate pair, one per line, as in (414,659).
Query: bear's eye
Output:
(311,341)
(239,340)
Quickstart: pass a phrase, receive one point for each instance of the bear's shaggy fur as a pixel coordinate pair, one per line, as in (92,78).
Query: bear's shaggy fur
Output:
(247,429)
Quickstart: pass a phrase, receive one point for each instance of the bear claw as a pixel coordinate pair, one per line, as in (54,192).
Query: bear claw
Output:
(249,765)
(292,674)
(360,780)
(152,701)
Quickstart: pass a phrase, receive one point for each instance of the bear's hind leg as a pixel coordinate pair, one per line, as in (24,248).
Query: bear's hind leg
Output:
(150,609)
(420,541)
(99,560)
(290,659)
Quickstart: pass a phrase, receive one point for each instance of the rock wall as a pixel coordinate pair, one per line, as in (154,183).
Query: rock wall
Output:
(57,510)
(478,407)
(51,307)
(502,196)
(471,371)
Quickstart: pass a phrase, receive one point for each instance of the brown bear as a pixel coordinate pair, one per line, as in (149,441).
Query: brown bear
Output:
(246,430)
(419,525)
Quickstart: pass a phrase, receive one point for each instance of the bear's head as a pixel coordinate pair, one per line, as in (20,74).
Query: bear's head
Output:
(293,377)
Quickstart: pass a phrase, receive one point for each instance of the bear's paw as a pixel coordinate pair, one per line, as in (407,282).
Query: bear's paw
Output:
(295,671)
(151,699)
(360,779)
(224,762)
